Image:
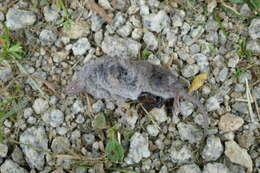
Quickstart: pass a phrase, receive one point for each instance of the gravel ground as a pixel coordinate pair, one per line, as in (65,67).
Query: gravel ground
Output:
(44,130)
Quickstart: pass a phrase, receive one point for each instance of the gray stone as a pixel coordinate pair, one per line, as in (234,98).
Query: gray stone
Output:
(144,9)
(211,25)
(240,87)
(152,130)
(195,48)
(190,70)
(50,14)
(125,30)
(138,148)
(223,74)
(245,76)
(98,37)
(96,22)
(5,72)
(120,4)
(60,145)
(36,137)
(98,106)
(233,59)
(177,20)
(181,155)
(212,104)
(212,37)
(253,46)
(202,61)
(186,108)
(246,139)
(40,106)
(190,168)
(18,19)
(11,167)
(18,156)
(2,16)
(213,149)
(47,37)
(240,107)
(156,22)
(137,33)
(188,40)
(54,117)
(27,113)
(150,40)
(230,122)
(189,132)
(254,29)
(80,119)
(81,46)
(238,155)
(116,46)
(215,168)
(130,120)
(78,107)
(159,114)
(245,10)
(105,4)
(185,28)
(3,150)
(89,139)
(171,38)
(196,31)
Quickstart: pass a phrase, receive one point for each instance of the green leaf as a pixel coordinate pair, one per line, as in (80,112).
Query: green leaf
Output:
(146,53)
(114,150)
(255,4)
(16,48)
(100,122)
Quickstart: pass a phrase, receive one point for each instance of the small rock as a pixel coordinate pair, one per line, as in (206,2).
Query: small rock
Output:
(196,31)
(11,167)
(47,37)
(80,119)
(253,46)
(190,168)
(246,139)
(239,87)
(138,148)
(190,70)
(116,46)
(5,72)
(189,132)
(238,155)
(245,76)
(18,156)
(2,16)
(18,19)
(159,114)
(230,122)
(150,40)
(186,108)
(195,48)
(60,145)
(181,155)
(55,117)
(34,136)
(254,29)
(156,22)
(105,4)
(81,46)
(240,107)
(50,14)
(40,106)
(245,10)
(213,149)
(62,130)
(212,104)
(171,38)
(137,33)
(77,30)
(152,130)
(125,30)
(120,4)
(233,59)
(202,61)
(185,28)
(96,22)
(130,120)
(215,168)
(223,74)
(89,139)
(78,107)
(98,106)
(3,150)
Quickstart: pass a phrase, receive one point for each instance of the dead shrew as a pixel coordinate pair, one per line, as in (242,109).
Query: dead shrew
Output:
(120,79)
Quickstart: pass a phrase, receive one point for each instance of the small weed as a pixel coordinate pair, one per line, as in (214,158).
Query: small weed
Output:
(9,50)
(145,54)
(239,72)
(114,149)
(66,18)
(242,52)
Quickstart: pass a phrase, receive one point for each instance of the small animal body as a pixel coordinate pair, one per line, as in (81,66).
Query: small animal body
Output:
(119,79)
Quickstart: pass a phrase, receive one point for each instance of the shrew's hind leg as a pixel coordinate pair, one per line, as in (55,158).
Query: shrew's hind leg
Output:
(176,105)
